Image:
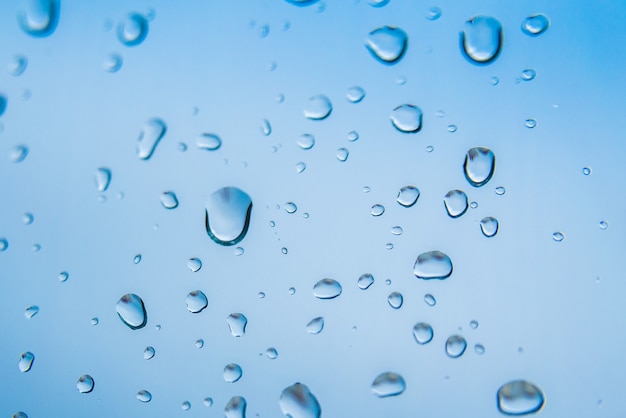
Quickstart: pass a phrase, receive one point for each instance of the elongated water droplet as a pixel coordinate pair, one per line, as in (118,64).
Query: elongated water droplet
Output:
(388,384)
(387,44)
(266,128)
(232,372)
(19,414)
(103,178)
(489,226)
(31,311)
(38,18)
(528,74)
(430,299)
(144,396)
(297,401)
(149,137)
(407,196)
(455,346)
(237,324)
(85,384)
(132,311)
(535,25)
(306,141)
(196,301)
(26,361)
(315,325)
(558,236)
(396,230)
(319,107)
(520,397)
(407,118)
(169,200)
(236,406)
(137,259)
(355,94)
(133,30)
(208,142)
(228,215)
(19,152)
(481,39)
(194,264)
(432,265)
(377,210)
(395,300)
(479,165)
(149,352)
(113,63)
(327,289)
(422,333)
(455,202)
(377,3)
(365,281)
(500,191)
(342,154)
(530,123)
(17,66)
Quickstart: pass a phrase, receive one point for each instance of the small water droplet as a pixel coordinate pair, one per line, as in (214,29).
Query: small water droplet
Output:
(377,210)
(479,349)
(196,301)
(387,44)
(19,152)
(481,39)
(327,289)
(157,327)
(185,406)
(455,346)
(603,224)
(474,324)
(63,276)
(208,402)
(232,372)
(227,215)
(495,81)
(169,200)
(520,397)
(455,202)
(365,281)
(38,18)
(271,353)
(489,226)
(355,94)
(237,324)
(342,154)
(479,165)
(290,207)
(315,325)
(535,25)
(473,205)
(19,414)
(300,167)
(388,384)
(133,30)
(113,63)
(36,247)
(28,218)
(586,171)
(377,3)
(388,282)
(318,107)
(432,265)
(500,191)
(430,299)
(263,30)
(407,118)
(194,264)
(152,132)
(208,142)
(396,230)
(4,244)
(452,128)
(266,128)
(297,401)
(26,361)
(144,396)
(103,178)
(261,295)
(401,80)
(94,321)
(31,311)
(85,384)
(395,300)
(422,333)
(149,352)
(389,246)
(17,66)
(366,189)
(236,406)
(407,196)
(530,123)
(199,343)
(353,136)
(433,13)
(528,74)
(137,259)
(558,236)
(132,311)
(306,141)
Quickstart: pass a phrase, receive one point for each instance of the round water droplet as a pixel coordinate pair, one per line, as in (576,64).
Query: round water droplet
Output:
(19,152)
(387,44)
(520,397)
(169,200)
(407,118)
(28,218)
(388,384)
(455,202)
(103,178)
(473,205)
(271,353)
(455,346)
(422,333)
(306,141)
(300,167)
(430,299)
(500,191)
(17,66)
(292,291)
(26,361)
(19,414)
(266,128)
(149,352)
(290,207)
(327,289)
(113,63)
(474,324)
(319,107)
(232,372)
(315,325)
(194,264)
(133,30)
(63,276)
(558,236)
(355,94)
(144,396)
(432,265)
(530,123)
(528,74)
(196,301)
(31,311)
(85,384)
(479,349)
(94,321)
(199,343)
(236,406)
(228,215)
(586,171)
(396,230)
(603,224)
(132,311)
(481,39)
(535,25)
(353,136)
(297,401)
(377,210)
(4,244)
(388,282)
(185,406)
(407,196)
(38,18)
(395,300)
(208,402)
(433,13)
(479,165)
(149,137)
(237,324)
(208,142)
(342,154)
(365,281)
(489,226)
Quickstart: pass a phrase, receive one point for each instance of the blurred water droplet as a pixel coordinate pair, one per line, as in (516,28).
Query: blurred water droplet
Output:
(407,196)
(232,372)
(388,282)
(586,171)
(327,289)
(196,301)
(4,244)
(103,178)
(342,154)
(306,141)
(377,210)
(169,200)
(430,299)
(297,401)
(237,324)
(396,230)
(85,384)
(38,18)
(318,107)
(149,352)
(19,414)
(387,44)
(389,246)
(355,94)
(17,66)
(528,74)
(530,123)
(315,325)
(366,189)
(149,137)
(455,346)
(36,247)
(433,13)
(19,152)
(208,142)
(31,311)
(377,3)
(479,165)
(94,321)
(481,39)
(388,384)
(263,30)
(157,327)
(208,402)
(266,128)
(365,281)
(603,224)
(558,236)
(185,406)
(133,30)
(261,295)
(63,276)
(300,167)
(474,324)
(495,81)
(28,218)
(132,311)
(228,215)
(199,343)
(407,118)
(292,291)
(113,63)
(500,191)
(535,25)
(236,406)
(489,226)
(455,202)
(432,265)
(479,349)
(520,397)
(144,396)
(3,107)
(26,361)
(395,300)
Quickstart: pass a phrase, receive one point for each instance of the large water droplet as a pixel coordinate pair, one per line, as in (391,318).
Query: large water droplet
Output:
(17,66)
(315,325)
(236,406)
(196,301)
(365,281)
(194,264)
(26,361)
(327,289)
(481,39)
(297,401)
(455,346)
(208,142)
(85,384)
(520,397)
(480,163)
(131,310)
(387,44)
(232,372)
(19,152)
(395,300)
(489,226)
(103,178)
(319,107)
(306,141)
(407,118)
(149,352)
(423,333)
(149,137)
(144,396)
(228,215)
(535,25)
(31,311)
(455,202)
(432,265)
(355,94)
(388,384)
(132,30)
(237,324)
(169,200)
(407,196)
(38,18)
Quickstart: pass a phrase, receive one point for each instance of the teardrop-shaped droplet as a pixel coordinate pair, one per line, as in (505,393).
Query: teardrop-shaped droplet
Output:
(232,372)
(297,401)
(315,325)
(208,142)
(423,333)
(144,396)
(377,210)
(194,264)
(85,384)
(407,196)
(132,30)
(387,44)
(455,346)
(520,397)
(327,289)
(388,384)
(395,300)
(228,215)
(26,361)
(489,226)
(365,281)
(103,178)
(430,299)
(149,137)
(432,265)
(306,141)
(480,163)
(355,94)
(149,352)
(113,63)
(17,66)
(535,25)
(169,200)
(38,18)
(237,324)
(481,39)
(236,406)
(31,311)
(196,301)
(342,154)
(455,202)
(19,152)
(132,311)
(319,107)
(407,118)
(266,128)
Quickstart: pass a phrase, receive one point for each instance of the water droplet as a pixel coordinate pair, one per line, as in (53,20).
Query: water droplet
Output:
(377,3)
(185,406)
(315,325)
(558,236)
(266,128)
(196,301)
(430,299)
(500,191)
(261,295)
(528,74)
(481,39)
(292,291)
(473,205)
(377,210)
(263,30)
(355,94)
(407,196)
(132,30)
(433,13)
(306,141)
(38,18)
(318,107)
(199,343)
(396,230)
(19,152)
(236,406)
(36,247)
(395,300)
(194,264)
(479,349)
(455,202)
(137,259)
(495,81)
(342,154)
(480,163)
(489,226)
(474,324)
(208,402)
(389,246)
(19,414)
(422,333)
(169,200)
(365,281)
(149,137)
(63,276)
(300,167)
(271,353)
(586,171)
(327,289)
(407,118)
(535,25)
(26,361)
(157,327)
(603,224)
(4,244)
(103,178)
(208,142)
(28,218)
(353,136)
(237,324)
(387,44)
(144,396)
(132,311)
(388,282)
(94,321)
(232,372)
(31,311)
(530,123)
(17,66)
(228,215)
(452,128)
(297,401)
(432,265)
(85,384)
(455,346)
(3,107)
(113,63)
(388,384)
(520,397)
(149,352)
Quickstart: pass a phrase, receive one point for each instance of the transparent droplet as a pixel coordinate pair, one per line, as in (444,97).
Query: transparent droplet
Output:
(31,311)
(603,224)
(261,295)
(237,324)
(353,136)
(26,361)
(19,414)
(28,218)
(377,3)
(169,200)
(388,384)
(271,353)
(558,236)
(455,202)
(290,207)
(530,123)
(489,226)
(528,74)
(297,401)
(4,244)
(474,324)
(133,30)
(365,281)
(315,325)
(63,276)
(318,107)
(17,66)
(389,246)
(199,343)
(387,44)
(473,205)
(38,18)
(132,311)
(422,333)
(85,384)
(149,137)
(94,321)
(480,163)
(407,118)
(520,397)
(432,265)
(342,154)
(292,291)
(306,141)
(232,372)
(208,402)
(481,39)
(149,352)
(377,210)
(228,215)
(263,30)
(103,178)
(500,191)
(355,94)
(396,230)
(327,289)
(300,167)
(433,13)
(366,189)
(236,406)
(266,128)
(194,264)
(407,196)
(395,300)
(137,259)
(388,282)
(113,63)
(196,301)
(455,346)
(535,25)
(208,142)
(495,81)
(430,299)
(586,171)
(36,247)
(144,396)
(239,251)
(19,152)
